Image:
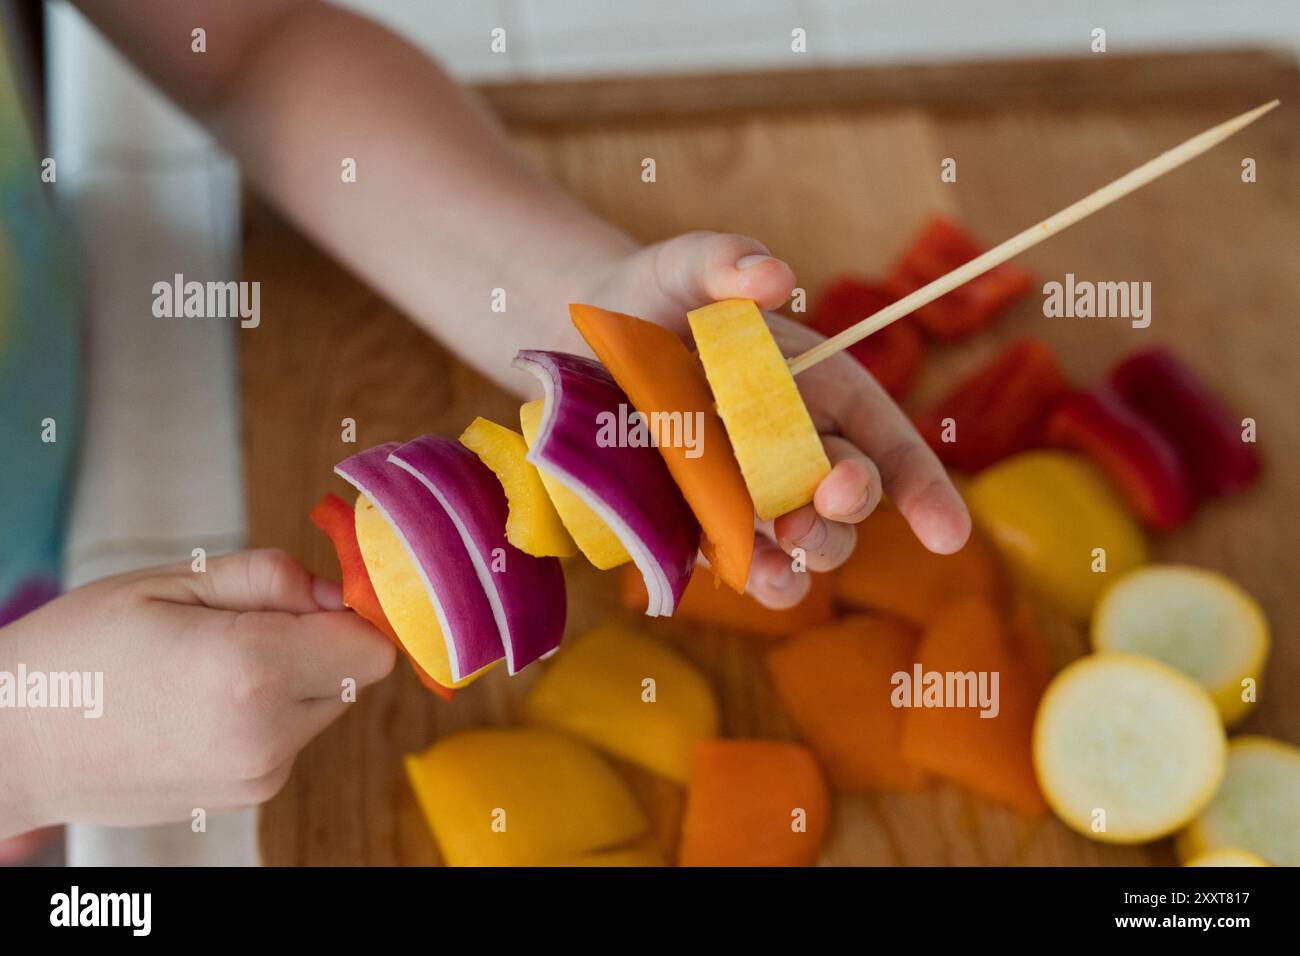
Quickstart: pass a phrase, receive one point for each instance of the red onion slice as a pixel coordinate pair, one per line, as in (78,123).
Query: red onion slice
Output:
(526,593)
(628,487)
(437,552)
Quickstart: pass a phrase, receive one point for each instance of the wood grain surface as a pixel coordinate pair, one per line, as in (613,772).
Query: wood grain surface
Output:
(831,183)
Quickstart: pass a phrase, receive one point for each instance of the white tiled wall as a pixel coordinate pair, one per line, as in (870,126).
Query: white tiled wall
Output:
(546,38)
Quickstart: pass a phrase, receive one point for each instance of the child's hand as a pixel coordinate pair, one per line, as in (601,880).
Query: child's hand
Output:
(212,683)
(870,442)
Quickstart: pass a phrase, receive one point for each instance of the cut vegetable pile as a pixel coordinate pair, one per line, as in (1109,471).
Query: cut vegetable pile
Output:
(901,670)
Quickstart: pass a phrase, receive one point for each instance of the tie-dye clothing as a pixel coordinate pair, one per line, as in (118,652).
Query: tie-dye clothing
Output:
(38,363)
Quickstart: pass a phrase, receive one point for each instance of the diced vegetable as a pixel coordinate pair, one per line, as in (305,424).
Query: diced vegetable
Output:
(666,383)
(334,516)
(524,797)
(771,432)
(597,690)
(628,487)
(534,526)
(1256,809)
(421,571)
(526,594)
(1136,457)
(940,247)
(892,355)
(997,412)
(1126,749)
(982,743)
(1056,519)
(595,539)
(754,803)
(706,603)
(1192,619)
(890,571)
(1160,388)
(836,681)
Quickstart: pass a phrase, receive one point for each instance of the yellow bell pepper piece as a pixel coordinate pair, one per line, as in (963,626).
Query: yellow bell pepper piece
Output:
(524,797)
(1059,524)
(533,525)
(598,690)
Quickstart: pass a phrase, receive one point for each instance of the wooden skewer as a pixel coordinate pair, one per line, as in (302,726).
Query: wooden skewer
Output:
(1103,197)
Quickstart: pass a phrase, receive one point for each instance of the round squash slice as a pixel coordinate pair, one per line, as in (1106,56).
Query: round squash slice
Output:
(1257,808)
(1126,749)
(771,432)
(1195,620)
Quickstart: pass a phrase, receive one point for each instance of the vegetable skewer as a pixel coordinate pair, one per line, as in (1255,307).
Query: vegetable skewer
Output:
(1149,171)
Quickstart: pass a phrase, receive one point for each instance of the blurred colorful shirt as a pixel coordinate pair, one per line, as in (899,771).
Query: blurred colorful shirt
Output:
(38,356)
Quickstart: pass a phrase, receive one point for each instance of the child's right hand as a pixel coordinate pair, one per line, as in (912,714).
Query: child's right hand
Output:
(212,683)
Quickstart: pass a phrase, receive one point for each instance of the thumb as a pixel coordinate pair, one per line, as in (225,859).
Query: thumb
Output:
(266,579)
(702,267)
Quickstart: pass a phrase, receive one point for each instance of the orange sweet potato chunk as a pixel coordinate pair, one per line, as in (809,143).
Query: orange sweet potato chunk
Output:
(892,572)
(660,375)
(989,755)
(704,602)
(754,803)
(836,682)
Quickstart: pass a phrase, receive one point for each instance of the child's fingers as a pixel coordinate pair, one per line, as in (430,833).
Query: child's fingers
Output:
(325,649)
(772,580)
(852,489)
(267,579)
(701,267)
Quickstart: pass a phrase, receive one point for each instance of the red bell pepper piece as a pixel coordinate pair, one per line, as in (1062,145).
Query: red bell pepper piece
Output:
(998,411)
(1163,390)
(339,522)
(1139,460)
(892,355)
(939,248)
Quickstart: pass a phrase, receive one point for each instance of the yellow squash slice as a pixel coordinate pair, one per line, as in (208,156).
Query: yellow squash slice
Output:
(1195,620)
(593,537)
(533,525)
(523,797)
(771,432)
(1127,749)
(1257,808)
(401,594)
(599,690)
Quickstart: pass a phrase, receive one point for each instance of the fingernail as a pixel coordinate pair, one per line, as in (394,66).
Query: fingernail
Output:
(748,262)
(810,538)
(328,595)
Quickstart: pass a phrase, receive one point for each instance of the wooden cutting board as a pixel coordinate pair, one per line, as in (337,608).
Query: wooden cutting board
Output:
(835,170)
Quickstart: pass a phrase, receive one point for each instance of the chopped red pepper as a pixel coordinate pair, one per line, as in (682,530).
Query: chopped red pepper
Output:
(892,355)
(339,522)
(1139,460)
(997,412)
(939,248)
(1208,438)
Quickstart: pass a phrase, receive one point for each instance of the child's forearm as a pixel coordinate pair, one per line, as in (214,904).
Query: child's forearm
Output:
(442,213)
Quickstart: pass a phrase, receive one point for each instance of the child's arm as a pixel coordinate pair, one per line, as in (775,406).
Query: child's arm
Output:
(444,211)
